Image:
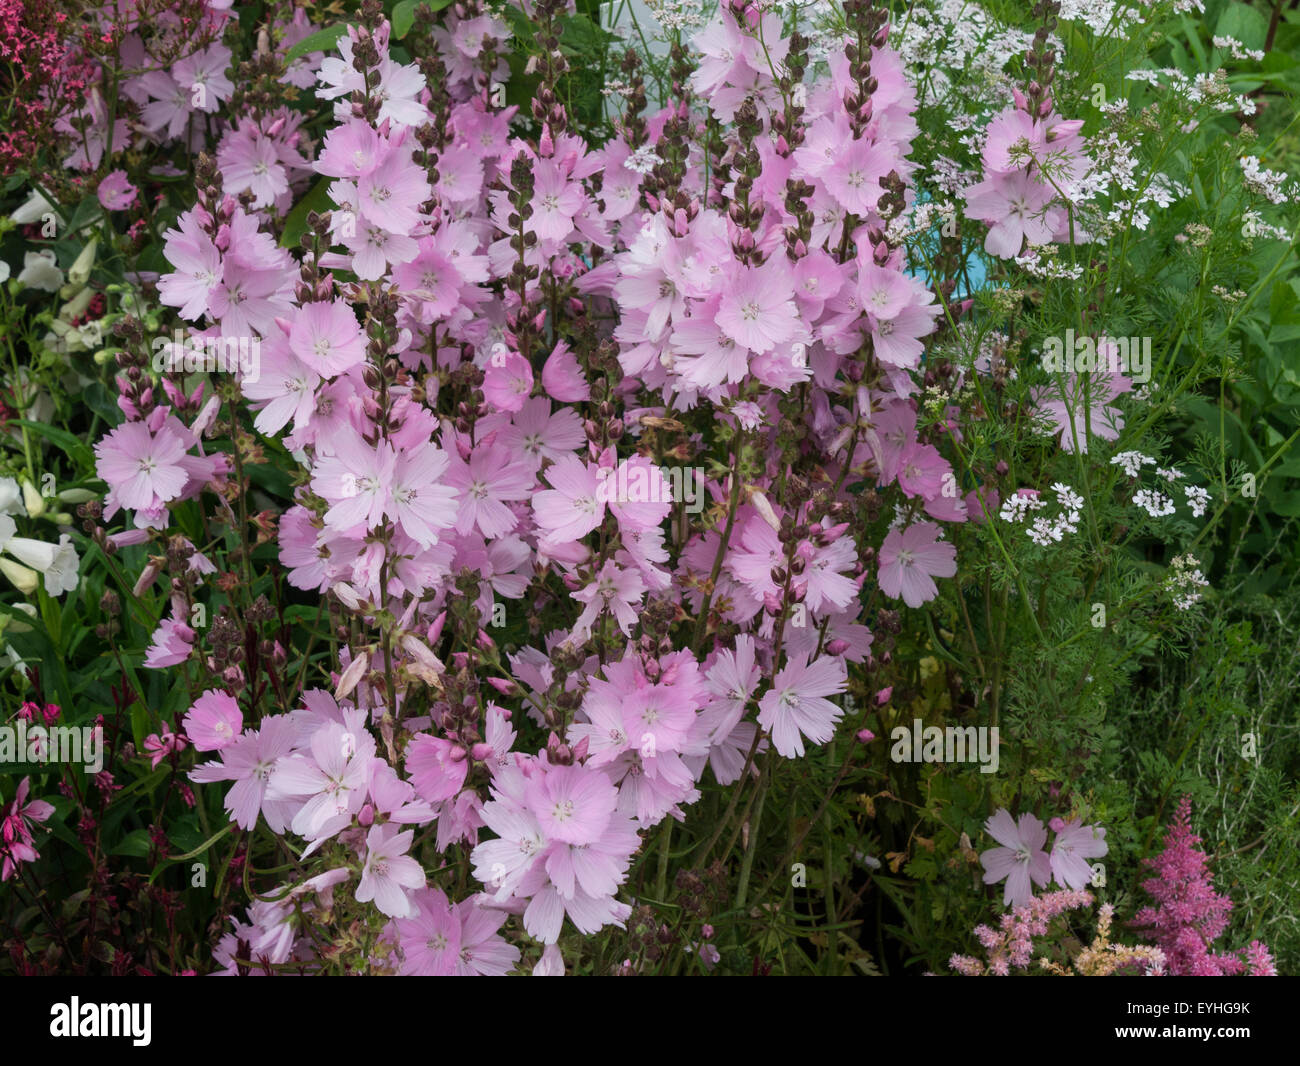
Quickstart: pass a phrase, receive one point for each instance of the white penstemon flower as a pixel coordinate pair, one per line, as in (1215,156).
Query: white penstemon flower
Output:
(57,563)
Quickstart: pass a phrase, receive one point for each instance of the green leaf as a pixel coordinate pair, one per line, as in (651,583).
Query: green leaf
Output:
(1243,23)
(320,41)
(317,199)
(136,844)
(78,450)
(403,18)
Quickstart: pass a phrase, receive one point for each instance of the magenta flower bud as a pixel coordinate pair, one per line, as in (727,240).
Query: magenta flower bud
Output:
(652,201)
(1045,108)
(772,603)
(866,736)
(457,754)
(1021,103)
(837,647)
(481,752)
(782,145)
(833,533)
(1057,825)
(460,660)
(502,684)
(366,815)
(882,697)
(484,641)
(706,931)
(435,628)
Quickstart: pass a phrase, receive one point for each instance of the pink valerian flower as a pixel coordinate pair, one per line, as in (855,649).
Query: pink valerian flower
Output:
(910,560)
(16,820)
(795,707)
(390,875)
(1021,858)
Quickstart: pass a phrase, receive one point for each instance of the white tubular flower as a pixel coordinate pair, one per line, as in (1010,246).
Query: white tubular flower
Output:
(23,579)
(58,562)
(11,497)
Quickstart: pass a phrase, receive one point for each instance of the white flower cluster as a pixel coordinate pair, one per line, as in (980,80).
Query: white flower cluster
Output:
(1183,581)
(1044,530)
(1104,17)
(1159,504)
(1132,462)
(1264,182)
(1156,504)
(1016,506)
(1253,225)
(1198,499)
(1212,88)
(1236,49)
(1047,266)
(958,35)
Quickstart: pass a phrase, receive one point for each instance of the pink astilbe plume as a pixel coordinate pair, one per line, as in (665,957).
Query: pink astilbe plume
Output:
(1189,915)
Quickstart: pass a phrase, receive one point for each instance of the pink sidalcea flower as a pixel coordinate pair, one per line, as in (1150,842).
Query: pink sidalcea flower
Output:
(1021,859)
(214,721)
(910,561)
(115,192)
(758,309)
(795,707)
(1075,844)
(389,874)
